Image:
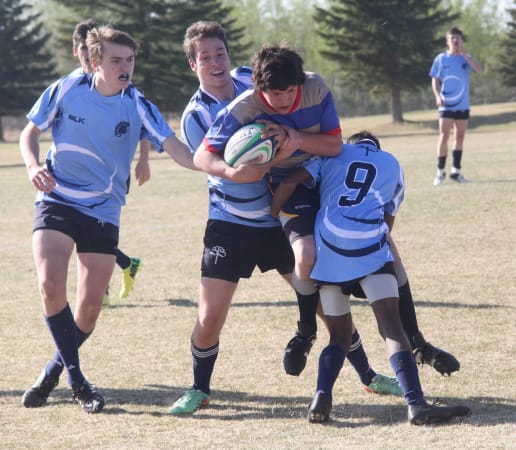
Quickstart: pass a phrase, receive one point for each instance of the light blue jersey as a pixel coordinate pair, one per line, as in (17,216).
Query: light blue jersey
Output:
(453,72)
(94,142)
(356,188)
(240,203)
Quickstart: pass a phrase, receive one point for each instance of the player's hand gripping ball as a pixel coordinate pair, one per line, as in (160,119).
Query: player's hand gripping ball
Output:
(247,145)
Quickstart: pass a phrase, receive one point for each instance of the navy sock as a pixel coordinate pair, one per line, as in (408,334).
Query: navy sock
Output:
(203,365)
(457,158)
(330,363)
(122,259)
(64,331)
(358,359)
(407,311)
(405,368)
(55,366)
(308,308)
(441,162)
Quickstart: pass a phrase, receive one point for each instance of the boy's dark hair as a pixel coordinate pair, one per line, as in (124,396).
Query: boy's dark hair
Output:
(202,29)
(363,136)
(277,68)
(81,31)
(456,30)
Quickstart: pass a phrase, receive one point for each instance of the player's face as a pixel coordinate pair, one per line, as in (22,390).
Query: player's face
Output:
(454,42)
(211,63)
(281,101)
(116,69)
(81,51)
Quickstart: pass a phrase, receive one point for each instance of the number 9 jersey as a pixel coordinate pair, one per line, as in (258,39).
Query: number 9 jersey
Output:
(357,188)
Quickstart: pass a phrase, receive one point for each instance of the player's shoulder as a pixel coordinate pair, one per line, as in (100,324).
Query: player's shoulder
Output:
(243,74)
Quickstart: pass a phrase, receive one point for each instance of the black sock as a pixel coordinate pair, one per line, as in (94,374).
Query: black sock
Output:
(457,158)
(308,308)
(441,162)
(408,312)
(330,363)
(64,331)
(358,359)
(203,365)
(122,260)
(55,366)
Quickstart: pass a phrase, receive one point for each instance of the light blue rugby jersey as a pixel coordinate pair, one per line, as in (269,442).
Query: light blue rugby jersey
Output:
(453,72)
(356,188)
(241,203)
(94,141)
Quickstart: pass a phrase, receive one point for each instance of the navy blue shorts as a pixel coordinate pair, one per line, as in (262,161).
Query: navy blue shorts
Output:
(456,115)
(91,235)
(232,251)
(298,213)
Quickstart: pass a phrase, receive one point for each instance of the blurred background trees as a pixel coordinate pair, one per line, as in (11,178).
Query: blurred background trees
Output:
(374,55)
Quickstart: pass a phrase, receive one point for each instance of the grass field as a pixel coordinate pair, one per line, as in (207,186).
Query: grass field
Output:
(458,245)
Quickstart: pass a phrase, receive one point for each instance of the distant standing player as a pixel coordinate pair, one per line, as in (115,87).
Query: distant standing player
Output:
(450,84)
(130,265)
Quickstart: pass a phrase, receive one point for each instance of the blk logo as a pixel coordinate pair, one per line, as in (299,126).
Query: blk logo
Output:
(75,119)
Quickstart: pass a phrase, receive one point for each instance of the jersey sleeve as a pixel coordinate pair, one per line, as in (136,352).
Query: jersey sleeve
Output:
(47,108)
(435,70)
(194,125)
(244,74)
(154,127)
(313,167)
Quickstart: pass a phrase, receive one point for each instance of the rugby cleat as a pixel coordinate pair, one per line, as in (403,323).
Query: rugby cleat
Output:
(382,384)
(37,395)
(86,395)
(189,402)
(298,348)
(426,353)
(320,408)
(431,414)
(128,276)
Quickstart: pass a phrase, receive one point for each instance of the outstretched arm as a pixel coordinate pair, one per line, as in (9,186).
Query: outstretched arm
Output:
(179,152)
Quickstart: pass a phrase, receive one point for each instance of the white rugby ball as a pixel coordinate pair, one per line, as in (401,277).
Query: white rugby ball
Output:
(247,144)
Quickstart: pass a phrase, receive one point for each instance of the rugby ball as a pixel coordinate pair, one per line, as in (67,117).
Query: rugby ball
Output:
(247,144)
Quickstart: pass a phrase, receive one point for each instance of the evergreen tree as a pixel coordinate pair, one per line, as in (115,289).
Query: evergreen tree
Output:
(158,26)
(508,54)
(25,65)
(385,46)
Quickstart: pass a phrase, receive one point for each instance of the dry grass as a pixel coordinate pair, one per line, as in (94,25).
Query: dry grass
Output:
(458,244)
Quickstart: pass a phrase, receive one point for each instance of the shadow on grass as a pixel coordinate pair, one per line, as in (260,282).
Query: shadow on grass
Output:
(474,121)
(185,303)
(237,406)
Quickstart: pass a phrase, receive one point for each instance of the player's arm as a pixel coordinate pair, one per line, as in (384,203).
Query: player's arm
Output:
(436,87)
(213,164)
(142,169)
(39,175)
(473,63)
(179,152)
(287,187)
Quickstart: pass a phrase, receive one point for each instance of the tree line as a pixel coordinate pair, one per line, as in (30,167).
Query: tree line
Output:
(375,55)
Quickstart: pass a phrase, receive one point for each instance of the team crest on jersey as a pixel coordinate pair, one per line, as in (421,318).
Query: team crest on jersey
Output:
(121,129)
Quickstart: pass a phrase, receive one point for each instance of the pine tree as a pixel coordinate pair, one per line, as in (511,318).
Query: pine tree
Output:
(385,46)
(158,26)
(25,65)
(508,55)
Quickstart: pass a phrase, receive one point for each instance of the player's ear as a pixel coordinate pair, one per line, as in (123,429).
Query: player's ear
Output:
(191,63)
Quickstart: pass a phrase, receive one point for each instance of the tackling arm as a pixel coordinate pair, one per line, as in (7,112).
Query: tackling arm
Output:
(287,187)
